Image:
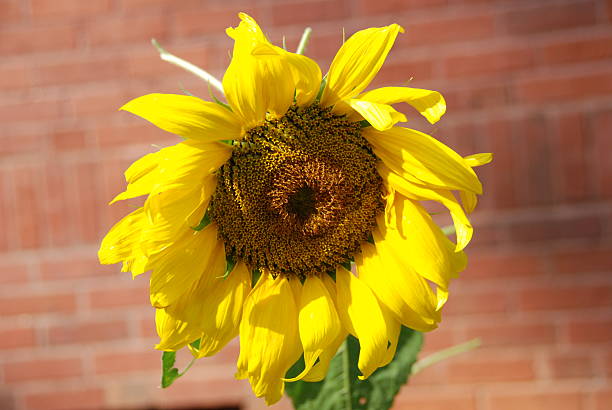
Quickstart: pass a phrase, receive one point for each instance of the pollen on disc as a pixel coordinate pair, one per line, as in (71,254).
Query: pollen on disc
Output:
(299,193)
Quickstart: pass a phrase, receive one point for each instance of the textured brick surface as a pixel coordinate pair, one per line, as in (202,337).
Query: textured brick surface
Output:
(530,81)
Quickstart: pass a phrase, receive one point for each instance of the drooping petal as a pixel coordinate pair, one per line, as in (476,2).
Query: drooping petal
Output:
(398,287)
(357,62)
(393,331)
(264,78)
(123,238)
(178,267)
(415,155)
(187,116)
(463,227)
(380,116)
(476,160)
(410,234)
(362,316)
(319,324)
(222,301)
(269,339)
(430,104)
(187,317)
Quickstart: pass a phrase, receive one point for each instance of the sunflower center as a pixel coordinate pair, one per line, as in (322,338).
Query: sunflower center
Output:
(299,194)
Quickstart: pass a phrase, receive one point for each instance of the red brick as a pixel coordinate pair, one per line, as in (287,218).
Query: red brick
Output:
(30,216)
(590,331)
(121,30)
(99,105)
(91,203)
(478,97)
(504,265)
(571,365)
(68,140)
(548,228)
(546,89)
(602,126)
(369,7)
(83,399)
(481,303)
(127,362)
(544,19)
(15,76)
(309,12)
(20,144)
(400,72)
(82,70)
(37,304)
(499,62)
(88,332)
(148,64)
(505,180)
(29,39)
(17,337)
(602,400)
(480,370)
(434,401)
(583,261)
(535,401)
(120,298)
(42,369)
(125,134)
(574,297)
(574,159)
(449,30)
(147,326)
(13,272)
(575,51)
(31,111)
(510,334)
(73,266)
(44,9)
(10,10)
(60,204)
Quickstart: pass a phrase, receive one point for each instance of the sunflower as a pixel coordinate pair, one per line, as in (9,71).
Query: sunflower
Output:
(253,222)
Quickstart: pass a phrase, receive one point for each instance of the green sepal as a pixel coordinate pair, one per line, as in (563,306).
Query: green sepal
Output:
(230,262)
(256,274)
(341,389)
(321,88)
(203,223)
(364,123)
(448,230)
(169,372)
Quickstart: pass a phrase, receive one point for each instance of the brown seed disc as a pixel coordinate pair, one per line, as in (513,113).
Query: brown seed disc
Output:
(299,194)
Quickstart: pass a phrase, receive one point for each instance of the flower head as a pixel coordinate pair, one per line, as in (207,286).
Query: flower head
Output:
(256,237)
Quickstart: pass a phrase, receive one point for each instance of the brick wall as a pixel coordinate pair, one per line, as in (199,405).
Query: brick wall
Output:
(528,80)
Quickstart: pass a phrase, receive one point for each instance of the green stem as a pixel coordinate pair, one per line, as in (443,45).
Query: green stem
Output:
(304,40)
(186,65)
(445,354)
(346,363)
(188,367)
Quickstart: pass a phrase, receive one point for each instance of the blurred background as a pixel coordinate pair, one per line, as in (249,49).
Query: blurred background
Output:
(528,80)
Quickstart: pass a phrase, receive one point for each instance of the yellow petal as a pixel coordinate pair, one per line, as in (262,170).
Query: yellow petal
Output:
(362,316)
(380,116)
(393,332)
(398,287)
(319,325)
(123,238)
(190,315)
(178,267)
(476,160)
(463,227)
(469,201)
(187,116)
(222,300)
(319,370)
(264,78)
(269,339)
(430,104)
(416,241)
(357,62)
(412,154)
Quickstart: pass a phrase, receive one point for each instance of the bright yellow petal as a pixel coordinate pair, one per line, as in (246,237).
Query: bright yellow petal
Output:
(222,300)
(430,104)
(123,238)
(412,154)
(269,339)
(362,316)
(189,316)
(401,290)
(410,234)
(319,325)
(357,62)
(264,78)
(187,116)
(463,227)
(380,116)
(476,160)
(181,265)
(393,332)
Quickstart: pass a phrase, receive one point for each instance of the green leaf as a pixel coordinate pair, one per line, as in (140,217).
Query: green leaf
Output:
(342,390)
(169,372)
